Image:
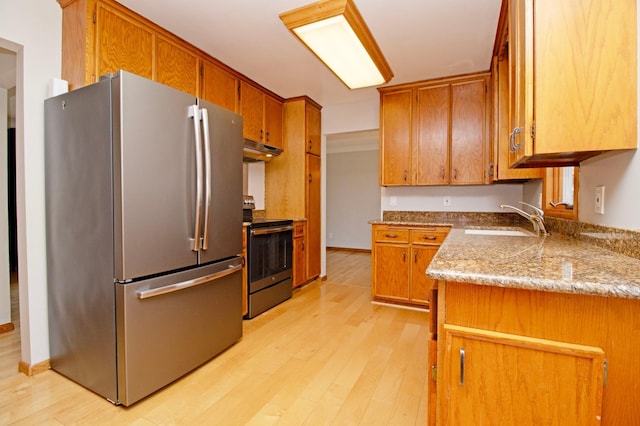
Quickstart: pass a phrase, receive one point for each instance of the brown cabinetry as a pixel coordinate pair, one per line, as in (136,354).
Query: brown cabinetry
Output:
(401,256)
(299,254)
(102,36)
(525,357)
(573,80)
(527,381)
(245,274)
(262,116)
(435,132)
(293,179)
(122,42)
(219,86)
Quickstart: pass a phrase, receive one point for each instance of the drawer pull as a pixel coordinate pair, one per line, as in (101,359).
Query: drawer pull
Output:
(430,237)
(391,235)
(462,366)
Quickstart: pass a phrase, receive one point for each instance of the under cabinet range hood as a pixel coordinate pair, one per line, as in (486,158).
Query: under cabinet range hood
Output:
(253,151)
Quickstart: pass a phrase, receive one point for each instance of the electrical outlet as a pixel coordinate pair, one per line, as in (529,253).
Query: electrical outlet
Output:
(599,200)
(447,201)
(393,201)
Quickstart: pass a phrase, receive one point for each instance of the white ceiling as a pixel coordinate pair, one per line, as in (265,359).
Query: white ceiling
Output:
(420,39)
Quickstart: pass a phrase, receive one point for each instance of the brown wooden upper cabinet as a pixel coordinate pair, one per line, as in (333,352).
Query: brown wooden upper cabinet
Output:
(501,125)
(122,42)
(103,36)
(219,86)
(261,114)
(435,132)
(573,80)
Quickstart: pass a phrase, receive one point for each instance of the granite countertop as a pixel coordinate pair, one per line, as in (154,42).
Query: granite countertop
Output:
(549,263)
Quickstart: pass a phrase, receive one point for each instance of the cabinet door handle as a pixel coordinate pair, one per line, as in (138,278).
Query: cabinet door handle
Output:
(415,257)
(442,173)
(310,145)
(261,134)
(455,174)
(302,246)
(404,256)
(391,235)
(461,366)
(430,238)
(267,136)
(310,178)
(405,175)
(513,146)
(491,169)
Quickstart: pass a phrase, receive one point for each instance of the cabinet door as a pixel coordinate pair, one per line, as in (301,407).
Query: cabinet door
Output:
(391,271)
(122,43)
(498,378)
(502,127)
(314,228)
(252,111)
(395,138)
(299,262)
(176,66)
(431,152)
(420,283)
(313,130)
(273,121)
(585,71)
(520,79)
(219,87)
(468,132)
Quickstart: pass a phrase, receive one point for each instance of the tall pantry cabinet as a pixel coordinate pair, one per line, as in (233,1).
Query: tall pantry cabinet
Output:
(292,180)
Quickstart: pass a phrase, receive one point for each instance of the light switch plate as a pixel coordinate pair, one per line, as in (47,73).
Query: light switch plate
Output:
(599,200)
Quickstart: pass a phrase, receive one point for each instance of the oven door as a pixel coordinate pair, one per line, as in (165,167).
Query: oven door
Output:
(270,256)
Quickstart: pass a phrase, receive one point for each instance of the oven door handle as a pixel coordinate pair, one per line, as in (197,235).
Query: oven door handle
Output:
(145,294)
(264,231)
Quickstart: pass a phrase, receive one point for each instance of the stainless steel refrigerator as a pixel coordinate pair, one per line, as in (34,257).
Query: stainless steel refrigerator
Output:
(144,232)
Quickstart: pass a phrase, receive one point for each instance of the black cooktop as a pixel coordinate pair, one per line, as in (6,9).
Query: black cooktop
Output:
(265,223)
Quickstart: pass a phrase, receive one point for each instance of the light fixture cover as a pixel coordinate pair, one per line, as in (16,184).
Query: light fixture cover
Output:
(336,33)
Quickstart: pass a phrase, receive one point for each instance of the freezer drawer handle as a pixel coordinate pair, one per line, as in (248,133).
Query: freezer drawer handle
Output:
(207,172)
(145,294)
(195,113)
(271,230)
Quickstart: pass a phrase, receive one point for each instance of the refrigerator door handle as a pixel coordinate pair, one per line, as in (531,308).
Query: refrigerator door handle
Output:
(207,173)
(194,113)
(145,294)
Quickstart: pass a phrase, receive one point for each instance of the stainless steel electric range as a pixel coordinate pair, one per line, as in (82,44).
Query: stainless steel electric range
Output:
(269,261)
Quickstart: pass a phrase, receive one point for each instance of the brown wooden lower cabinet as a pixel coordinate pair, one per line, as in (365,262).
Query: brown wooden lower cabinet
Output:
(245,275)
(401,255)
(522,357)
(299,254)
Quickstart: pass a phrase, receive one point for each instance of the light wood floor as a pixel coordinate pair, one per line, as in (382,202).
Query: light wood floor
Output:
(10,341)
(327,356)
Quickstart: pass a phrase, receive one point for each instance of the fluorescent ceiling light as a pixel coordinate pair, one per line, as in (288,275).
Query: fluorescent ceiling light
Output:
(336,33)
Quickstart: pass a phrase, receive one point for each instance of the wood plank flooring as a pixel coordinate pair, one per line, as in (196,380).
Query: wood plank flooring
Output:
(328,356)
(10,341)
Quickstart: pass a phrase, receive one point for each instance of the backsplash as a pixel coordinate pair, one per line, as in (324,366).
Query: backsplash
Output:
(457,218)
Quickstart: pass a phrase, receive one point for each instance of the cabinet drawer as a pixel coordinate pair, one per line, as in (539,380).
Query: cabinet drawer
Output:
(392,235)
(298,230)
(428,236)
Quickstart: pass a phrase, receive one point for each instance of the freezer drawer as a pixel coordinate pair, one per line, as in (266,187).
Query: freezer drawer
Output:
(169,325)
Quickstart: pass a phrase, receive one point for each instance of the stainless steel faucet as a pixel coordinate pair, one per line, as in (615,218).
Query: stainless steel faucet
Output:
(536,217)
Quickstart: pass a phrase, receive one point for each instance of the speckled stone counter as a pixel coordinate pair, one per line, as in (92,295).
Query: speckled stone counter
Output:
(553,263)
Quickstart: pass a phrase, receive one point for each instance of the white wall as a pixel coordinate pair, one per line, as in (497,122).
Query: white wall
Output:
(32,29)
(482,198)
(353,198)
(256,183)
(619,173)
(5,294)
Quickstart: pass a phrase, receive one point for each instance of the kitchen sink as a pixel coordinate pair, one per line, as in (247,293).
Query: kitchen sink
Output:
(500,232)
